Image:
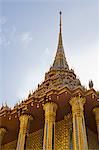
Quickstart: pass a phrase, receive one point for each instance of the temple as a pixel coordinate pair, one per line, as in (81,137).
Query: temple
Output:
(61,114)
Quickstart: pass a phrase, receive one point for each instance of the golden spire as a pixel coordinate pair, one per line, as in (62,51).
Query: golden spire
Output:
(60,60)
(60,45)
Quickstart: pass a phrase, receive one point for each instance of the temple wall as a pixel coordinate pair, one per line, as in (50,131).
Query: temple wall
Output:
(60,137)
(9,146)
(92,140)
(35,140)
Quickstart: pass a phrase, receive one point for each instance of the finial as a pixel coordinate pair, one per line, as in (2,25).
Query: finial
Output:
(60,20)
(2,104)
(60,60)
(90,84)
(60,12)
(60,45)
(6,104)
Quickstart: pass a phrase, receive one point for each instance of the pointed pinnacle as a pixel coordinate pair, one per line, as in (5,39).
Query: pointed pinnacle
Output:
(60,45)
(60,20)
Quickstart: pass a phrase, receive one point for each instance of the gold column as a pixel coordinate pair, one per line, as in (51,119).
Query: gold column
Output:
(96,111)
(67,133)
(79,130)
(24,120)
(2,133)
(49,130)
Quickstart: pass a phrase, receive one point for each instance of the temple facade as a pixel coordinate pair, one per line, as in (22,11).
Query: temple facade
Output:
(61,114)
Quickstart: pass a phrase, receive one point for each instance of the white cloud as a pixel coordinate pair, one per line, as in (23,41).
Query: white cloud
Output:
(0,30)
(6,36)
(26,37)
(11,35)
(13,30)
(4,41)
(3,20)
(0,41)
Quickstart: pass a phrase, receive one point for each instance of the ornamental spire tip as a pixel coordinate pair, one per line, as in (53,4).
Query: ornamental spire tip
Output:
(60,45)
(60,60)
(60,12)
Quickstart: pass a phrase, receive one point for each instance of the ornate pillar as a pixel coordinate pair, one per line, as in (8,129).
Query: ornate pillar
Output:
(49,129)
(24,120)
(67,132)
(79,130)
(2,133)
(96,112)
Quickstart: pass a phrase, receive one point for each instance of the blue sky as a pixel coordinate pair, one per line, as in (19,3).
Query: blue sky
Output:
(28,41)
